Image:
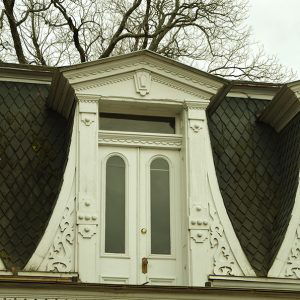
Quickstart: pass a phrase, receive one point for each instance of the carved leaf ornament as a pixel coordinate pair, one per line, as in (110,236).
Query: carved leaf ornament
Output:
(61,254)
(293,262)
(224,262)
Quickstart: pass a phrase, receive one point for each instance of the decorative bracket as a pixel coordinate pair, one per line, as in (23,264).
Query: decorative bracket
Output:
(86,218)
(87,122)
(87,231)
(196,125)
(142,81)
(199,236)
(199,219)
(87,118)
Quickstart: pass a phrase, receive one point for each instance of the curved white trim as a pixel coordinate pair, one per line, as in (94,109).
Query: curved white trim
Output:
(50,232)
(232,239)
(2,266)
(288,241)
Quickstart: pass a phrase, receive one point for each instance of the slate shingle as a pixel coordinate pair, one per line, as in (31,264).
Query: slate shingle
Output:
(34,145)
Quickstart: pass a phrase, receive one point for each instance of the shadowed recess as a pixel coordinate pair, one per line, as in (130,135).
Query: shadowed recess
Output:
(246,157)
(34,144)
(289,152)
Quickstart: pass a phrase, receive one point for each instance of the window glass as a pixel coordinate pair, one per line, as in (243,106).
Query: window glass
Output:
(115,206)
(160,207)
(136,123)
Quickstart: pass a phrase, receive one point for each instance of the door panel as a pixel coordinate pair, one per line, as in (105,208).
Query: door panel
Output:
(163,267)
(119,267)
(152,183)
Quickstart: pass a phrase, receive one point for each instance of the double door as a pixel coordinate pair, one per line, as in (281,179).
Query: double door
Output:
(140,232)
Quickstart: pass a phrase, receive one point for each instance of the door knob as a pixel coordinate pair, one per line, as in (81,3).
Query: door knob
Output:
(144,265)
(143,230)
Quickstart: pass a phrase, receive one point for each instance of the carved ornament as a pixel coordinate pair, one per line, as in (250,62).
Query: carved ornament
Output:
(142,140)
(199,236)
(87,121)
(61,255)
(87,231)
(142,81)
(87,118)
(293,261)
(142,63)
(224,261)
(196,125)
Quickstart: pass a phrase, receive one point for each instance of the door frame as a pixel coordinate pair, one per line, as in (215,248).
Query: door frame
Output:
(139,278)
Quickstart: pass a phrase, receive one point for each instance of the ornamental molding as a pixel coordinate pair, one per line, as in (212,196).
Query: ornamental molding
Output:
(87,98)
(61,254)
(142,80)
(224,262)
(148,77)
(199,105)
(292,269)
(102,82)
(179,86)
(142,140)
(144,62)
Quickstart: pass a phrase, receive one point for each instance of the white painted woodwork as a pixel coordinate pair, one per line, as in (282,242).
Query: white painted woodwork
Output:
(286,263)
(87,201)
(127,268)
(284,107)
(203,240)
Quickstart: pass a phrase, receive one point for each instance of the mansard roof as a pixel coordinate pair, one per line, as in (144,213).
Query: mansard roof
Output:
(34,144)
(256,151)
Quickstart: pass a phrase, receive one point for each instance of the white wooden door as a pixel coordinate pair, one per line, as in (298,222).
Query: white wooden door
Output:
(147,251)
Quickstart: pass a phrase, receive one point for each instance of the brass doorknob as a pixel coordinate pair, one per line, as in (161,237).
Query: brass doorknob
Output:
(143,230)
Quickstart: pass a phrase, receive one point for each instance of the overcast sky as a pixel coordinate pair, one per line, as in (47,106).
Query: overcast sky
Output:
(276,24)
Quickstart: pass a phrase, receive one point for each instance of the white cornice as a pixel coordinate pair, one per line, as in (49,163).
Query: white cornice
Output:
(259,93)
(284,107)
(23,74)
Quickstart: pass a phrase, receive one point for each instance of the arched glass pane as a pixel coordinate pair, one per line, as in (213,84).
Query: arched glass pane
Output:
(115,206)
(160,207)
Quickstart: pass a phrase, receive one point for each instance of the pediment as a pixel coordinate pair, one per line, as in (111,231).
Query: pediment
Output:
(141,75)
(141,84)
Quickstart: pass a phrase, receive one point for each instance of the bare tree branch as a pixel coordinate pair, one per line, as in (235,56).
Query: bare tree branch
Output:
(210,35)
(9,11)
(117,36)
(72,27)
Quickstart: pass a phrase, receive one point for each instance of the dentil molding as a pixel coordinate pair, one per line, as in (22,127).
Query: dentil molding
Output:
(170,141)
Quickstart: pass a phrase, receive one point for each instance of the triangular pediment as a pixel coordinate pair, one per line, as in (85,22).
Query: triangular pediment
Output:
(139,75)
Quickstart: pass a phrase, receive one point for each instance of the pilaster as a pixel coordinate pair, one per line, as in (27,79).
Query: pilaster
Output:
(196,190)
(87,218)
